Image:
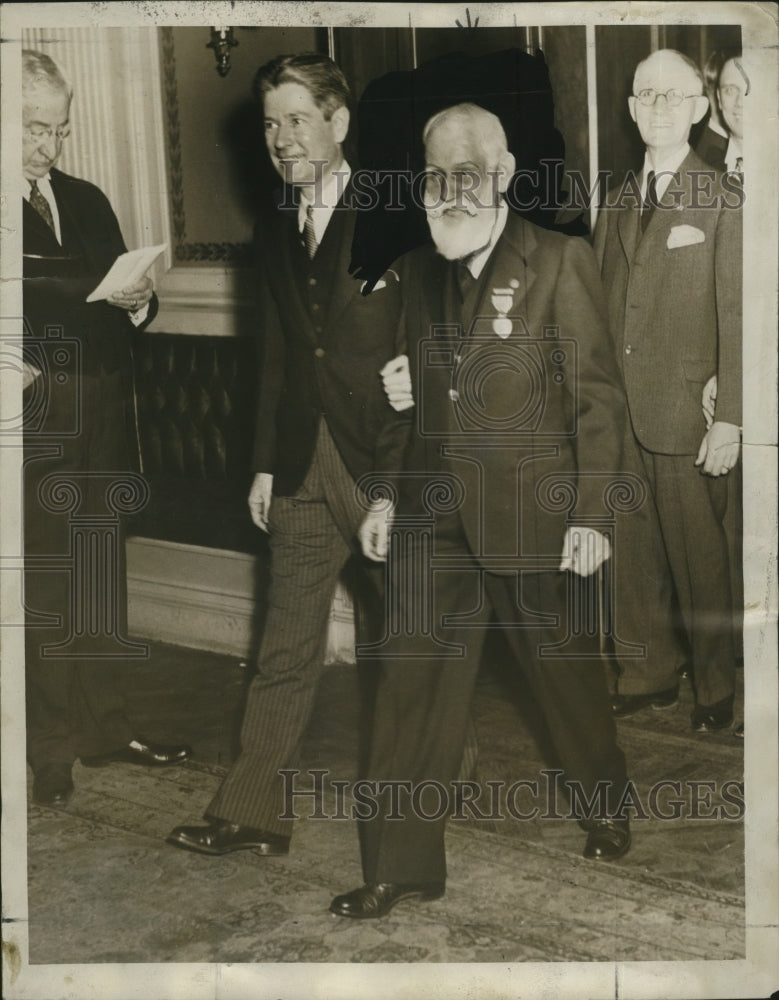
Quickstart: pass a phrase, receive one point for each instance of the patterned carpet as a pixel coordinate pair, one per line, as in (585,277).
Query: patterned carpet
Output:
(104,886)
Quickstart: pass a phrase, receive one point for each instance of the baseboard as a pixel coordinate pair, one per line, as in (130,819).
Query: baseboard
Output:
(203,598)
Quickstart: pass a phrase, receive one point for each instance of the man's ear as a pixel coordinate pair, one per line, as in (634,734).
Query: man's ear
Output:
(701,107)
(340,123)
(632,107)
(507,164)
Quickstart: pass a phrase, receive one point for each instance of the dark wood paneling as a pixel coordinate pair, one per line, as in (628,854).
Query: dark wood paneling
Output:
(618,50)
(565,52)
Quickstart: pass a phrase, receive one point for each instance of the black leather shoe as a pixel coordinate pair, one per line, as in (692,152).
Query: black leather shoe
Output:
(221,837)
(144,752)
(710,718)
(625,705)
(608,840)
(53,786)
(738,732)
(376,899)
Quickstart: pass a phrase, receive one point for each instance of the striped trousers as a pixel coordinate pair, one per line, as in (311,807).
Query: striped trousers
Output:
(312,536)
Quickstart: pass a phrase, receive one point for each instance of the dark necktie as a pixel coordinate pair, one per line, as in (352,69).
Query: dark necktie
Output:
(740,165)
(41,206)
(650,200)
(465,280)
(309,233)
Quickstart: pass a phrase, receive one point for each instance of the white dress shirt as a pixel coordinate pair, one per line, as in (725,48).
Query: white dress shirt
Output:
(324,201)
(44,186)
(664,169)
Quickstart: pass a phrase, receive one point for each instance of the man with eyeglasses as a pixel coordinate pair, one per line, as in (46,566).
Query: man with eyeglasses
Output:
(76,356)
(671,266)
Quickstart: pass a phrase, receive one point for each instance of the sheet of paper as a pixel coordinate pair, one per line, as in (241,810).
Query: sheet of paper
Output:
(126,270)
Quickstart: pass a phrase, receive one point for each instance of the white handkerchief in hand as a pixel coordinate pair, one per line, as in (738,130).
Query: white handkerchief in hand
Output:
(684,236)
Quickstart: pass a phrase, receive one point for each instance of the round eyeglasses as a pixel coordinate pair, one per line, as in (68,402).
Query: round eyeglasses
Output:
(673,98)
(39,133)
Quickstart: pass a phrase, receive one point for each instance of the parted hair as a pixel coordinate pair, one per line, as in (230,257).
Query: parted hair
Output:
(312,70)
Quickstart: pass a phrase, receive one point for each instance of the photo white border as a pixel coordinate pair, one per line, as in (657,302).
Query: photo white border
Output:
(758,975)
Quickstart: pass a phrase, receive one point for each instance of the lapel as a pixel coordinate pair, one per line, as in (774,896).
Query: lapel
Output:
(337,243)
(628,225)
(38,238)
(72,221)
(512,266)
(676,198)
(510,270)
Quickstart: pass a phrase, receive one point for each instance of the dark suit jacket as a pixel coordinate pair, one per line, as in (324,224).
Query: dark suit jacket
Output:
(712,148)
(58,278)
(674,303)
(543,405)
(322,344)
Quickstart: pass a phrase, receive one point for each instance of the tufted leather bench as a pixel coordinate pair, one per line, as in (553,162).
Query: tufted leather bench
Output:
(195,419)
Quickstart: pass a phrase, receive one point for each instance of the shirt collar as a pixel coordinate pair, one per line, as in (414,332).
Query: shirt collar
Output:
(733,153)
(44,186)
(663,169)
(325,200)
(477,262)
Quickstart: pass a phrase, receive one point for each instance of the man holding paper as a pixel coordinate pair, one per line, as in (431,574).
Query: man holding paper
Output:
(76,360)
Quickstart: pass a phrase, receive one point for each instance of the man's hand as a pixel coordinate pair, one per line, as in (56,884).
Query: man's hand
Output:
(397,383)
(584,550)
(134,297)
(719,449)
(709,401)
(260,499)
(29,374)
(374,531)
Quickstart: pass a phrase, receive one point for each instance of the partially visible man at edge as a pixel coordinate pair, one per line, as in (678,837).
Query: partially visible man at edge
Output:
(75,707)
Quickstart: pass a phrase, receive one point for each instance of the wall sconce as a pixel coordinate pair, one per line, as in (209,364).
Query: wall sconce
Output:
(222,41)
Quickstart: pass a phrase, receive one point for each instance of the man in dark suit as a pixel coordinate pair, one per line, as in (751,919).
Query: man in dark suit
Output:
(76,358)
(671,266)
(519,415)
(323,422)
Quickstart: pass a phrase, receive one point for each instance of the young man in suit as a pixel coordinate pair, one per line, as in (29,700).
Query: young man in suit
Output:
(76,356)
(517,396)
(323,422)
(671,266)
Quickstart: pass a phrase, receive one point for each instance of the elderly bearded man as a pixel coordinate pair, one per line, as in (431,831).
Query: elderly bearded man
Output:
(504,543)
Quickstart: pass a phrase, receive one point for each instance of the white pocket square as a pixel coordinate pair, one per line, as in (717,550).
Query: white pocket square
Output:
(381,283)
(684,236)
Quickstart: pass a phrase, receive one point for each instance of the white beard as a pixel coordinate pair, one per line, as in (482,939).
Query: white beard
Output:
(458,234)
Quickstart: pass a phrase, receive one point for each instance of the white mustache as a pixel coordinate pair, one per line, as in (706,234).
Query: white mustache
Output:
(449,206)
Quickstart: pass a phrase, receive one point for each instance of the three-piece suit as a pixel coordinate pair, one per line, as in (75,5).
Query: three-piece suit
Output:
(674,301)
(323,422)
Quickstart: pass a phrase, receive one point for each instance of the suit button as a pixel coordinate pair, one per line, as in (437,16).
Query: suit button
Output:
(317,329)
(312,282)
(454,395)
(319,352)
(315,307)
(628,349)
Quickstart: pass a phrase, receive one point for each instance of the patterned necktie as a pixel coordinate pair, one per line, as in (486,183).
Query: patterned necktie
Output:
(650,201)
(41,206)
(309,233)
